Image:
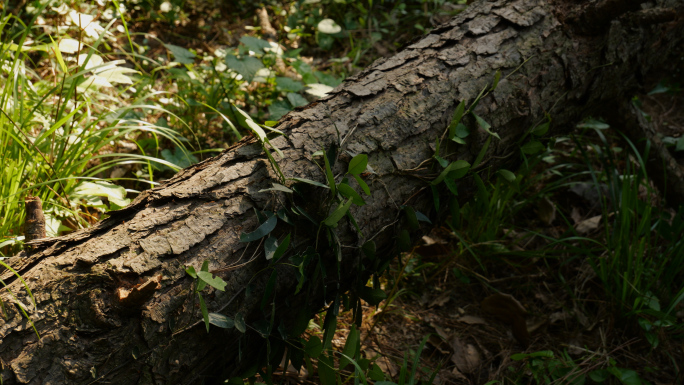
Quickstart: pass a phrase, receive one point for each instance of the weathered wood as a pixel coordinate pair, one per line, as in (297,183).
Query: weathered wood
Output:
(393,111)
(34,227)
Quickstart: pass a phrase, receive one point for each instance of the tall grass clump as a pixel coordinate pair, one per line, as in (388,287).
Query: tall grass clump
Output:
(64,114)
(642,263)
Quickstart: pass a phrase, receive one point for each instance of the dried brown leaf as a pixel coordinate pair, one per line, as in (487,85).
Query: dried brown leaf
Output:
(558,316)
(472,320)
(536,324)
(433,250)
(440,331)
(438,344)
(441,300)
(466,356)
(575,215)
(588,225)
(546,211)
(509,311)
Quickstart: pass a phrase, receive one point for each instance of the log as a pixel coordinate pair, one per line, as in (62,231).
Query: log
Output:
(114,303)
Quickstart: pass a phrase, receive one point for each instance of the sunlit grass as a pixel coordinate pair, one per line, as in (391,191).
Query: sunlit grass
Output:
(62,117)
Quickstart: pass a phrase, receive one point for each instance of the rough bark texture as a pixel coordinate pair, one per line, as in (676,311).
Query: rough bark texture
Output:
(90,324)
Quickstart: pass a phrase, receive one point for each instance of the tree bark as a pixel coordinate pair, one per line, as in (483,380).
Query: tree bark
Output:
(114,303)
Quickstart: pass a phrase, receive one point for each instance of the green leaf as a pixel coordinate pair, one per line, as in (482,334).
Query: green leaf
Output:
(368,249)
(270,246)
(277,187)
(211,280)
(482,192)
(268,290)
(680,144)
(201,284)
(278,108)
(659,89)
(462,131)
(340,211)
(300,211)
(329,175)
(411,217)
(273,250)
(179,157)
(435,196)
(305,70)
(191,272)
(509,176)
(422,217)
(246,66)
(358,164)
(442,162)
(541,129)
(309,181)
(477,99)
(378,376)
(58,55)
(221,321)
(288,85)
(416,359)
(459,167)
(180,54)
(532,147)
(351,346)
(594,124)
(372,296)
(255,44)
(599,375)
(456,119)
(203,309)
(296,100)
(451,185)
(326,370)
(628,377)
(282,247)
(261,231)
(482,152)
(497,77)
(457,173)
(115,194)
(349,192)
(486,126)
(458,140)
(404,240)
(240,322)
(330,324)
(362,184)
(246,121)
(285,216)
(313,347)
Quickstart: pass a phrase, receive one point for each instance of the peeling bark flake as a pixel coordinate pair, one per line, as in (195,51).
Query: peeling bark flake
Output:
(522,16)
(156,245)
(483,24)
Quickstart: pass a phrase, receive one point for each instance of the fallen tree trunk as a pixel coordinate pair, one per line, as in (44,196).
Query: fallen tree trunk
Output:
(114,302)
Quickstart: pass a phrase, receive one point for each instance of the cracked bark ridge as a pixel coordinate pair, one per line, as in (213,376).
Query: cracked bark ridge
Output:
(393,112)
